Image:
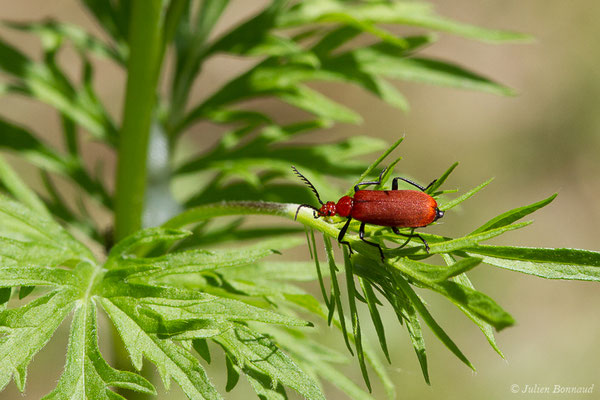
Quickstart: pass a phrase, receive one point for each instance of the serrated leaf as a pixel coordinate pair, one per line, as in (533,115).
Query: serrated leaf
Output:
(374,165)
(113,17)
(447,246)
(385,63)
(319,359)
(146,237)
(28,146)
(453,203)
(428,318)
(372,303)
(56,32)
(40,229)
(48,85)
(571,264)
(214,309)
(514,215)
(485,328)
(21,192)
(476,302)
(194,261)
(356,330)
(37,276)
(171,360)
(408,13)
(27,329)
(86,374)
(440,181)
(250,347)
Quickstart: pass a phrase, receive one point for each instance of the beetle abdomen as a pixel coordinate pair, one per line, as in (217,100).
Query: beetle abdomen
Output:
(399,208)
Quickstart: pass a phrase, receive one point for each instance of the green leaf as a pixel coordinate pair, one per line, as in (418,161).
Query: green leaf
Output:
(451,245)
(485,328)
(374,165)
(19,189)
(407,13)
(86,374)
(47,84)
(372,303)
(453,203)
(41,230)
(113,17)
(428,318)
(233,375)
(55,32)
(356,330)
(28,146)
(458,268)
(335,294)
(413,326)
(476,302)
(194,261)
(320,360)
(27,329)
(140,239)
(390,62)
(252,349)
(201,347)
(571,264)
(514,215)
(214,309)
(440,181)
(171,360)
(37,276)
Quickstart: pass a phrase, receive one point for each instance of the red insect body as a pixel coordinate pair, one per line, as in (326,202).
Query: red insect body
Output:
(394,208)
(398,208)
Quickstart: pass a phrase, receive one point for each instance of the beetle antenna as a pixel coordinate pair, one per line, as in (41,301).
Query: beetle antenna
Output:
(308,183)
(307,206)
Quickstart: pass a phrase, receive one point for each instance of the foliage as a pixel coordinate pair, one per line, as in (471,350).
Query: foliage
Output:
(173,298)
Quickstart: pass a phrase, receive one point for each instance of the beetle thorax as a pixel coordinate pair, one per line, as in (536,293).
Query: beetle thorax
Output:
(344,206)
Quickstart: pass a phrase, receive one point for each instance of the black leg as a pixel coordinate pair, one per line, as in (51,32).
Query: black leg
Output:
(377,182)
(410,236)
(428,186)
(395,184)
(361,234)
(343,233)
(397,232)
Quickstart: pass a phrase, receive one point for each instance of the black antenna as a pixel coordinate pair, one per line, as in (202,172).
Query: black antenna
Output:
(308,183)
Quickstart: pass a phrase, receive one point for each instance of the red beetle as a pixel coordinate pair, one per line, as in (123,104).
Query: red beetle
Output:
(394,208)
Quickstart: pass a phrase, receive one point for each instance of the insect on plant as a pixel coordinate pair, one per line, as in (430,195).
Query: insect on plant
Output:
(394,208)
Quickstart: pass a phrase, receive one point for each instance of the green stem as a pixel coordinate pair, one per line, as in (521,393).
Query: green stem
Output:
(146,50)
(305,215)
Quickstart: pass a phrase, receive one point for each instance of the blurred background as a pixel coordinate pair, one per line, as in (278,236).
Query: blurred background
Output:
(544,140)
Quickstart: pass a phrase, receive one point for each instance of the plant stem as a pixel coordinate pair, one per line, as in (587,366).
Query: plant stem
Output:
(146,50)
(225,208)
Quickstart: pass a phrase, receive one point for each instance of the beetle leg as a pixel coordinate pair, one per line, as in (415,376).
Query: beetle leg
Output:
(343,233)
(395,183)
(377,182)
(397,232)
(428,186)
(410,236)
(361,234)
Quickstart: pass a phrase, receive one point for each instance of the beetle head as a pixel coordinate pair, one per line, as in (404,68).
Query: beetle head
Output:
(327,210)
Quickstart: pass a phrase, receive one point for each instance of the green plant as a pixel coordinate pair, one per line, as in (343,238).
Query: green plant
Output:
(165,293)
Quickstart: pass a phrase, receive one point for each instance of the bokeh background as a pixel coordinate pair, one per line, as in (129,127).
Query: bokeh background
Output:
(544,140)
